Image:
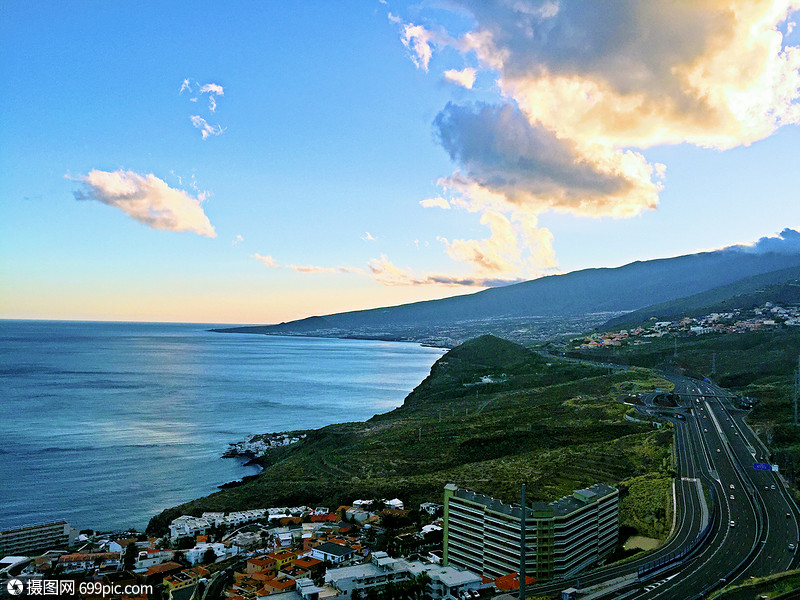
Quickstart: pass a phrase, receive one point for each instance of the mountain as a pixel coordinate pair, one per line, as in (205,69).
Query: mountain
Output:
(782,286)
(533,306)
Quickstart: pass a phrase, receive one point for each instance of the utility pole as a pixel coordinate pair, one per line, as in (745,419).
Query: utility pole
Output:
(796,389)
(522,545)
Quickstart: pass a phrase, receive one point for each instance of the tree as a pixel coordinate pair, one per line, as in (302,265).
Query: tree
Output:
(209,556)
(356,595)
(129,556)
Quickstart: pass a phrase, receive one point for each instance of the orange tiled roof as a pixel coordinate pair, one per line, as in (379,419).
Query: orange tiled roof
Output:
(306,562)
(262,561)
(281,584)
(163,568)
(511,582)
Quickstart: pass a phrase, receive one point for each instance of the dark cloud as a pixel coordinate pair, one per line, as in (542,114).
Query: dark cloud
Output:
(500,149)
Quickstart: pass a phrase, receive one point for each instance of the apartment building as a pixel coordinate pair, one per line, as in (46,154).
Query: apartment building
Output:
(482,534)
(27,540)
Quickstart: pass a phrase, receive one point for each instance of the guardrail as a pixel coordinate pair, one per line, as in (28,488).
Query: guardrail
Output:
(679,556)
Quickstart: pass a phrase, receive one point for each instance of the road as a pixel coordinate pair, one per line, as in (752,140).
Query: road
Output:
(751,514)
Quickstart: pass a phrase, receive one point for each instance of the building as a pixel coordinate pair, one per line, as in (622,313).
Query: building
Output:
(333,553)
(482,534)
(188,526)
(27,540)
(185,578)
(75,563)
(197,554)
(447,583)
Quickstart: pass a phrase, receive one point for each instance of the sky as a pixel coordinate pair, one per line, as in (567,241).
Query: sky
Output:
(256,162)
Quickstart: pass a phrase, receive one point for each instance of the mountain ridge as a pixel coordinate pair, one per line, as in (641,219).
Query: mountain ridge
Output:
(578,293)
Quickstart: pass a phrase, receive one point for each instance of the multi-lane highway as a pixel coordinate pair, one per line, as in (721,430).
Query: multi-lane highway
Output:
(748,515)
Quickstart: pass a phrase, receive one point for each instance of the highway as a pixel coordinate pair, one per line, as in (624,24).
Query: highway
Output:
(751,514)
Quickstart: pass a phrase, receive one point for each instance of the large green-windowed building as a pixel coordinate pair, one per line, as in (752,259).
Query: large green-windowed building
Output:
(482,534)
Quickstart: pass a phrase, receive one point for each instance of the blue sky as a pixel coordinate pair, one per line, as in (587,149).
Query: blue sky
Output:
(334,124)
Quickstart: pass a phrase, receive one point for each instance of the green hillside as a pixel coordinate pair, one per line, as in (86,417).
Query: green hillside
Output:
(758,364)
(491,415)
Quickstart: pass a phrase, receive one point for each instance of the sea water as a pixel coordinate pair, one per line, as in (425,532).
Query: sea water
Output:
(106,424)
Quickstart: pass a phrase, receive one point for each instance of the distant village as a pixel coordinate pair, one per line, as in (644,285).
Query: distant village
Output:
(737,321)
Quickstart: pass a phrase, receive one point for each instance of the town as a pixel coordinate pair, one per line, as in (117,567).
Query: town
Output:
(767,316)
(368,550)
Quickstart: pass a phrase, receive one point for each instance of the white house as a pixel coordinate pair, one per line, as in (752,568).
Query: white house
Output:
(333,553)
(195,555)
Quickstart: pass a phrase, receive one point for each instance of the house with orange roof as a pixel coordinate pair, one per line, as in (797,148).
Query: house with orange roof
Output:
(280,584)
(185,578)
(313,567)
(262,564)
(282,557)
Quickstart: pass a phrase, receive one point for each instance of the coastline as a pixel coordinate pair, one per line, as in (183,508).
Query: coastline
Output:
(196,392)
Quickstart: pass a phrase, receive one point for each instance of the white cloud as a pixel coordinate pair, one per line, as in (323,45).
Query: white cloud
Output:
(205,129)
(368,237)
(237,240)
(212,104)
(386,272)
(147,199)
(464,78)
(583,88)
(318,269)
(267,261)
(212,88)
(186,85)
(418,40)
(437,202)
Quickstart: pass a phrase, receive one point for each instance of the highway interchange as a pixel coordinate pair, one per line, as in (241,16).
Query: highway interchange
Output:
(747,516)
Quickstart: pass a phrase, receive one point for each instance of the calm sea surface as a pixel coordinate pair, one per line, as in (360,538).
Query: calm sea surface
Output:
(106,424)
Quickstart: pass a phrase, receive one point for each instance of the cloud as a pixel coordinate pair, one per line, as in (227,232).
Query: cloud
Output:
(786,242)
(205,129)
(212,104)
(271,263)
(387,273)
(437,202)
(186,85)
(237,240)
(464,78)
(528,166)
(318,269)
(583,88)
(267,261)
(147,199)
(212,88)
(368,237)
(418,40)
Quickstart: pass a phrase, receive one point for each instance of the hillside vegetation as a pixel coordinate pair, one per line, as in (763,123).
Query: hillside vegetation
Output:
(490,416)
(758,364)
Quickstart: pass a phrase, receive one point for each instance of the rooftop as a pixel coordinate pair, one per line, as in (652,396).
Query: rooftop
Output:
(334,549)
(562,506)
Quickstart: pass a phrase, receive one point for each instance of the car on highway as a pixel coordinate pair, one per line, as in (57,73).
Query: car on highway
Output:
(732,498)
(731,486)
(772,487)
(792,547)
(705,430)
(733,523)
(719,450)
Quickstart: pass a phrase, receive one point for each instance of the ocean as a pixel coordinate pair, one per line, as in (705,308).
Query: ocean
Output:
(106,424)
